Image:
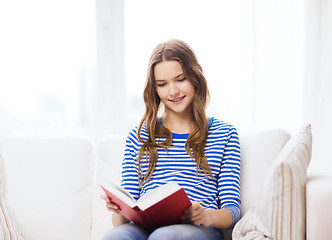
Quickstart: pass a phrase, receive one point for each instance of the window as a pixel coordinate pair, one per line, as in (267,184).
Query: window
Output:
(47,64)
(68,67)
(220,32)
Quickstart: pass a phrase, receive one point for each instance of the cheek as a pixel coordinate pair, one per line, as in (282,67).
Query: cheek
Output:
(161,93)
(190,89)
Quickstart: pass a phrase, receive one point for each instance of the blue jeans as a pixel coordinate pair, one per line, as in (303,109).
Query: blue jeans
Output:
(131,231)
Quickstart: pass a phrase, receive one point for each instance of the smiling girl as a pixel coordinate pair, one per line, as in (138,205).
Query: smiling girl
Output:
(182,145)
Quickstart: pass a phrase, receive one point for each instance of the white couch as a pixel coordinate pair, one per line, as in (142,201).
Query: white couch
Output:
(51,185)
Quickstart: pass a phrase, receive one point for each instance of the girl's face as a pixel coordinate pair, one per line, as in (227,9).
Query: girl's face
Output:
(174,90)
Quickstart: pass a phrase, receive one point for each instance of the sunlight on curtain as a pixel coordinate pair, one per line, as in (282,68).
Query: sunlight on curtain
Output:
(47,64)
(267,63)
(252,53)
(220,32)
(279,64)
(318,81)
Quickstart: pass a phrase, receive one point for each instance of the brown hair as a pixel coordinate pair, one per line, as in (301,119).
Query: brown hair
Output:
(179,51)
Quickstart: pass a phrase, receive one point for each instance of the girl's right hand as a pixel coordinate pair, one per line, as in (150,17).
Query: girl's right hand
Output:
(109,204)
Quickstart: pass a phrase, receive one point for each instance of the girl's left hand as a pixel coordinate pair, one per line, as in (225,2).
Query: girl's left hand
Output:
(197,215)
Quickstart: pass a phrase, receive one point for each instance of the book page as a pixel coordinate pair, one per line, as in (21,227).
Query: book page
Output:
(157,195)
(121,193)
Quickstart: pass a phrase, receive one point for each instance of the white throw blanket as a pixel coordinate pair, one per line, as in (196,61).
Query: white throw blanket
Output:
(250,227)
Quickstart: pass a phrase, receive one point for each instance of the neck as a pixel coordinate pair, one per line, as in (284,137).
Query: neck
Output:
(178,123)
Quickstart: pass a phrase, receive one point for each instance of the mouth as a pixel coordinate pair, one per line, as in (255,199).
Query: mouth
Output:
(177,100)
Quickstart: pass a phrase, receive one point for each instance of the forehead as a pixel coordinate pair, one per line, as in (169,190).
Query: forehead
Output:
(167,70)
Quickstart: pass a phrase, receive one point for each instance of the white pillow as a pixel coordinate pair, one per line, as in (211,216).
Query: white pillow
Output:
(8,227)
(258,153)
(281,208)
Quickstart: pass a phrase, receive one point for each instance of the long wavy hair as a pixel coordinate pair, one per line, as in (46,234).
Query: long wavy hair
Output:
(169,51)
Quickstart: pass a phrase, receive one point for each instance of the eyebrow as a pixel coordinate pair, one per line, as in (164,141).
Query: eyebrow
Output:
(181,74)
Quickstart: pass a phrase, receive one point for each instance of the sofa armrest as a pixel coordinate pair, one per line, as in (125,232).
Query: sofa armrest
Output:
(318,207)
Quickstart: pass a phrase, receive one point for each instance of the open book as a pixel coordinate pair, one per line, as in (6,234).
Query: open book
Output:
(159,207)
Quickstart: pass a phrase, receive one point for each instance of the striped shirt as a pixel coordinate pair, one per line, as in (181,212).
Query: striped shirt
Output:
(175,165)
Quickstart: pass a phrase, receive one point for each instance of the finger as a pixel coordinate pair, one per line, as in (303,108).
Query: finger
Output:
(197,219)
(185,220)
(191,209)
(196,206)
(104,197)
(194,211)
(113,207)
(198,213)
(194,216)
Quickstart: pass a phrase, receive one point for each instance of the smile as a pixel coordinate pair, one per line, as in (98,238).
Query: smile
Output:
(177,99)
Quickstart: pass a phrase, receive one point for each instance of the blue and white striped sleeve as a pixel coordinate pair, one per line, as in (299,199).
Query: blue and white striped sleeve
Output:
(229,177)
(130,166)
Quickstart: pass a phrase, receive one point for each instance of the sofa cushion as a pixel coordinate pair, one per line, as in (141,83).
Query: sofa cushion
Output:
(258,153)
(319,210)
(8,226)
(281,208)
(49,185)
(110,155)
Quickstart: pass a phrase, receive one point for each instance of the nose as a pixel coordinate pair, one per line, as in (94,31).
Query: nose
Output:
(174,90)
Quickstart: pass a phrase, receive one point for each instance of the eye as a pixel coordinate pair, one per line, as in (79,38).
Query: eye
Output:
(161,84)
(181,80)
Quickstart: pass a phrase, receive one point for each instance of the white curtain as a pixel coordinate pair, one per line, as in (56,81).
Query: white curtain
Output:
(278,63)
(291,71)
(47,67)
(318,81)
(279,66)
